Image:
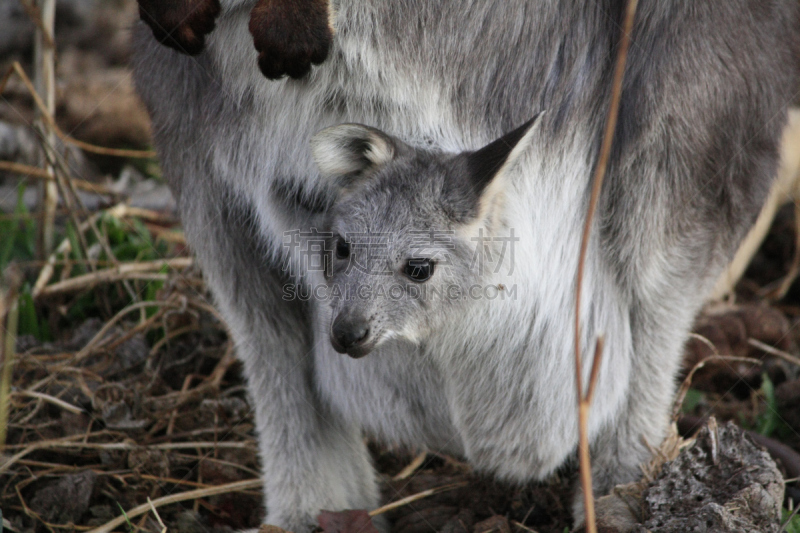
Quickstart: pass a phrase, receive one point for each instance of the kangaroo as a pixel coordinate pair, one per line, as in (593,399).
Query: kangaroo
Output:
(435,178)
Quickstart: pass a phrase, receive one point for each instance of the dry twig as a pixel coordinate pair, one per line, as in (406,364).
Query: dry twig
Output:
(414,497)
(136,270)
(411,467)
(9,312)
(176,498)
(45,88)
(789,358)
(584,402)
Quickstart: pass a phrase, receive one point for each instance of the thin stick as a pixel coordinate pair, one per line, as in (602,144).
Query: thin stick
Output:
(155,512)
(35,16)
(584,457)
(65,247)
(597,184)
(239,486)
(687,382)
(52,160)
(774,351)
(411,467)
(39,173)
(68,445)
(414,497)
(45,88)
(52,400)
(65,185)
(98,337)
(9,314)
(595,372)
(109,275)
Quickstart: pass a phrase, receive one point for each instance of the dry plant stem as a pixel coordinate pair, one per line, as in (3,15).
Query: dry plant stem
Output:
(65,247)
(155,512)
(584,405)
(64,183)
(59,178)
(187,382)
(140,327)
(170,336)
(52,400)
(89,281)
(9,314)
(411,467)
(224,364)
(45,74)
(17,69)
(584,402)
(96,340)
(789,358)
(522,526)
(414,497)
(35,16)
(70,444)
(64,444)
(38,173)
(176,498)
(687,383)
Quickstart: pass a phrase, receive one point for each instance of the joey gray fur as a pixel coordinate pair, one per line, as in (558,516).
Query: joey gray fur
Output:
(704,101)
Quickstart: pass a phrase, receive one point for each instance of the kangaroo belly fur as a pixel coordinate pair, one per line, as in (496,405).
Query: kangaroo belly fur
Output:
(703,106)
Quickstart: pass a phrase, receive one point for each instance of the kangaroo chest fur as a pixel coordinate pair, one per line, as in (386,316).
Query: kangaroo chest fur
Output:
(696,148)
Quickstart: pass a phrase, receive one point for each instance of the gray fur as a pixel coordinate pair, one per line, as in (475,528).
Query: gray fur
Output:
(704,103)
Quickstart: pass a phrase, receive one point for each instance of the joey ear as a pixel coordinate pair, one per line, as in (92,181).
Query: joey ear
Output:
(484,165)
(348,151)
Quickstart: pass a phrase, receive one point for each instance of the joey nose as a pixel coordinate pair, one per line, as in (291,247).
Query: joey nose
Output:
(350,335)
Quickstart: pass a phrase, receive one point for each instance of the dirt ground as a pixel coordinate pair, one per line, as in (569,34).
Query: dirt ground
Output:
(126,388)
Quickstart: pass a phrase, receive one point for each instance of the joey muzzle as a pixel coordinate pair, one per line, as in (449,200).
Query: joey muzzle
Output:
(351,335)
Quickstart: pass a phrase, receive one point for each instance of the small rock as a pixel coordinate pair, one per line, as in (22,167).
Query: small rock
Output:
(149,461)
(722,484)
(130,353)
(191,522)
(495,524)
(74,423)
(66,500)
(461,523)
(118,407)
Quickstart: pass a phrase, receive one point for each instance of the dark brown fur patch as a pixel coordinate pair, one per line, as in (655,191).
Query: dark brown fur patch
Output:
(180,24)
(290,36)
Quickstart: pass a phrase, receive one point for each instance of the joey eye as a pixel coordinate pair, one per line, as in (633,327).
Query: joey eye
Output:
(342,249)
(419,270)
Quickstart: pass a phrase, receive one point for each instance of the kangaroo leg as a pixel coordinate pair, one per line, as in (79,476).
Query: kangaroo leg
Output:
(311,458)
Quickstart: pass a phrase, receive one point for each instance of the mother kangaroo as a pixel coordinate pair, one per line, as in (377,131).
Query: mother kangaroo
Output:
(705,96)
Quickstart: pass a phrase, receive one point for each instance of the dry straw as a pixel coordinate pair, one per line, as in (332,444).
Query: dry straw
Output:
(585,400)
